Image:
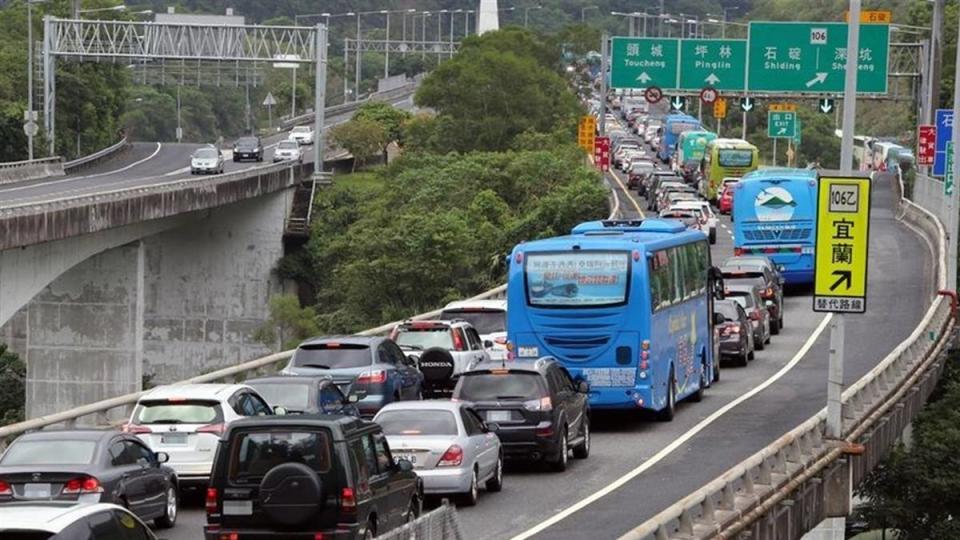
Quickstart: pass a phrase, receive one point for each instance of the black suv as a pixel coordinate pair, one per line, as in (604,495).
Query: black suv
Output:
(308,476)
(248,148)
(536,408)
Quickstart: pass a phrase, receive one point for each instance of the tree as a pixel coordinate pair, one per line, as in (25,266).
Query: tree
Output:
(362,138)
(13,374)
(388,117)
(289,324)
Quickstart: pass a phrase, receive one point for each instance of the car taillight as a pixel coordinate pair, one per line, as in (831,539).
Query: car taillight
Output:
(5,488)
(457,341)
(755,315)
(768,293)
(453,457)
(210,503)
(135,429)
(376,376)
(737,252)
(348,500)
(730,330)
(83,484)
(543,404)
(216,429)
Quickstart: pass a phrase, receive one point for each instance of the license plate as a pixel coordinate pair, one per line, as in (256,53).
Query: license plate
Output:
(409,457)
(237,508)
(36,491)
(173,438)
(498,416)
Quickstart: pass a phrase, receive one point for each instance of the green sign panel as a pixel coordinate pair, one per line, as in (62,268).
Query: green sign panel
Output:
(948,177)
(644,62)
(798,129)
(781,124)
(720,63)
(812,57)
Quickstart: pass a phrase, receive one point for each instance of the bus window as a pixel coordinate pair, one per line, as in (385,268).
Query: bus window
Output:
(732,157)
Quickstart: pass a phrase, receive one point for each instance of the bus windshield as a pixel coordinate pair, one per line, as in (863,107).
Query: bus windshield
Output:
(729,157)
(585,279)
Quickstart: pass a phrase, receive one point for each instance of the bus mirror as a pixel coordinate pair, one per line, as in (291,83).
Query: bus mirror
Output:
(719,319)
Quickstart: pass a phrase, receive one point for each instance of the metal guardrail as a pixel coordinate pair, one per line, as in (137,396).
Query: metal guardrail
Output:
(18,171)
(350,106)
(438,524)
(96,156)
(733,502)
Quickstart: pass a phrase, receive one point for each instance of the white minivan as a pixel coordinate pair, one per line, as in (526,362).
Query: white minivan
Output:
(489,317)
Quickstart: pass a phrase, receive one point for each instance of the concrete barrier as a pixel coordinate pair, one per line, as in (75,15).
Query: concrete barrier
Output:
(19,171)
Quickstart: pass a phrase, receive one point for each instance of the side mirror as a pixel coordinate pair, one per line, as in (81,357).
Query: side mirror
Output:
(404,465)
(162,457)
(583,387)
(353,398)
(718,318)
(487,344)
(493,427)
(279,410)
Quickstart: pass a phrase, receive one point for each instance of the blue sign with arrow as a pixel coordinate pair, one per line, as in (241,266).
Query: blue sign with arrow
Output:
(944,135)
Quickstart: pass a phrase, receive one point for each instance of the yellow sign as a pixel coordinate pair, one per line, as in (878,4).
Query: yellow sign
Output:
(720,108)
(843,236)
(783,107)
(871,17)
(587,133)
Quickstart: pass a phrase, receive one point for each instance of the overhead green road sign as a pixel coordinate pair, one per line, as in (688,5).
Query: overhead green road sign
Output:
(644,62)
(781,124)
(812,57)
(720,63)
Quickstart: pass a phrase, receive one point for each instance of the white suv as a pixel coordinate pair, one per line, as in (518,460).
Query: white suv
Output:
(301,134)
(489,317)
(710,218)
(186,422)
(70,520)
(458,337)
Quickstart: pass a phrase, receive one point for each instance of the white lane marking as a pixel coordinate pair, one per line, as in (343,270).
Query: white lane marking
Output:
(76,178)
(630,198)
(680,441)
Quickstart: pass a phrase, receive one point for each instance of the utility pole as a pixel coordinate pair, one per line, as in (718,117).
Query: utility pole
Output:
(320,99)
(953,200)
(356,74)
(604,63)
(30,117)
(386,65)
(935,61)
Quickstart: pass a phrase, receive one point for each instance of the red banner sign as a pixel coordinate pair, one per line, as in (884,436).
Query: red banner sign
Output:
(926,144)
(601,153)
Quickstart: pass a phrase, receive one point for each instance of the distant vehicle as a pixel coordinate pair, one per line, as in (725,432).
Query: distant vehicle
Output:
(725,202)
(600,301)
(301,135)
(724,158)
(248,148)
(774,214)
(206,160)
(673,126)
(303,476)
(638,171)
(758,271)
(305,394)
(488,318)
(452,449)
(748,296)
(691,146)
(736,331)
(90,466)
(710,220)
(374,369)
(540,412)
(185,421)
(689,217)
(452,344)
(288,150)
(70,521)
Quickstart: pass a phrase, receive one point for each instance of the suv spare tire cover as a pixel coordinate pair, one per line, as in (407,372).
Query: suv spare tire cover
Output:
(436,363)
(291,494)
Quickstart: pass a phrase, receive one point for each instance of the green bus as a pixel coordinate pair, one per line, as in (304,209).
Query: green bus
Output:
(726,158)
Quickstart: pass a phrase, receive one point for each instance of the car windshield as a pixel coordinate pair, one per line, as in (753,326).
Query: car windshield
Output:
(247,141)
(417,422)
(205,153)
(486,321)
(174,411)
(290,396)
(254,454)
(332,355)
(494,386)
(743,298)
(301,129)
(60,452)
(288,145)
(728,309)
(424,338)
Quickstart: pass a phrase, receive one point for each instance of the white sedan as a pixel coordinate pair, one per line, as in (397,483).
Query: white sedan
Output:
(206,160)
(301,134)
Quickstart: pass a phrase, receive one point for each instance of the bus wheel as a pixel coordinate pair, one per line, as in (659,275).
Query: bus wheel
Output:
(667,413)
(697,396)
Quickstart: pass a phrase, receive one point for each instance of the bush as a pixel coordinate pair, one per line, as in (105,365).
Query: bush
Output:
(13,376)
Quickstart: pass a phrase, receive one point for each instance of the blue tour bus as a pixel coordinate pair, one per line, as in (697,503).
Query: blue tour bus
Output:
(625,305)
(775,214)
(673,126)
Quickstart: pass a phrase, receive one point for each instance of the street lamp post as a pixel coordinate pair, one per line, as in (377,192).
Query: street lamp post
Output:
(583,12)
(30,131)
(386,47)
(526,14)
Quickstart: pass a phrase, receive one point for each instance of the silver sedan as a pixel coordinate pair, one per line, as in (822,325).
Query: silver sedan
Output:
(452,449)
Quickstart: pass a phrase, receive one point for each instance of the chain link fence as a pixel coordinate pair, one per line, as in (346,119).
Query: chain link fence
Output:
(439,524)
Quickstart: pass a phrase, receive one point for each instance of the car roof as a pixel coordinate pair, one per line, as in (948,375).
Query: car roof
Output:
(46,516)
(348,339)
(499,304)
(69,434)
(742,287)
(693,203)
(426,404)
(289,379)
(343,422)
(193,391)
(747,266)
(538,365)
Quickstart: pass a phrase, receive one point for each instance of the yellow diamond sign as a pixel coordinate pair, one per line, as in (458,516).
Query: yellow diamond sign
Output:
(843,237)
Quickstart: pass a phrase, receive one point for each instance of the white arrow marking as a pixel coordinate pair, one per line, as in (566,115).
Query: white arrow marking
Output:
(644,78)
(820,78)
(677,103)
(782,131)
(826,107)
(712,79)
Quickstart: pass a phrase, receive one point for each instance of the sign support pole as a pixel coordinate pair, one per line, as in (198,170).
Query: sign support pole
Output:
(743,131)
(604,66)
(774,151)
(319,102)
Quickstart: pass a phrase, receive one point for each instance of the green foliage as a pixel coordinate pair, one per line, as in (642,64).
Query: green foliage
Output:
(288,325)
(361,137)
(13,374)
(917,490)
(388,117)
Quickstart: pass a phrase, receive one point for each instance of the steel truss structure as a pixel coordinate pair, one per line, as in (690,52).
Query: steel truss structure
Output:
(443,48)
(186,44)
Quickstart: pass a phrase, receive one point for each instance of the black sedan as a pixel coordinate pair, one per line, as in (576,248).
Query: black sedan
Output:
(90,466)
(248,148)
(304,394)
(736,331)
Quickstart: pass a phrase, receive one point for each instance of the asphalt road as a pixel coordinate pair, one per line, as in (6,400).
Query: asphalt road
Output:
(145,164)
(638,467)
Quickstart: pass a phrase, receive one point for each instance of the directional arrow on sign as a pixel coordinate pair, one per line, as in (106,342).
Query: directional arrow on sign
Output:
(746,104)
(712,79)
(842,275)
(826,105)
(782,131)
(677,102)
(644,78)
(819,79)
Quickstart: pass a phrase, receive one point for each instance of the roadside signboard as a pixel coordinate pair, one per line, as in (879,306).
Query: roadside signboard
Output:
(812,57)
(709,95)
(270,101)
(944,125)
(720,108)
(871,17)
(720,63)
(653,94)
(601,153)
(586,133)
(926,144)
(948,178)
(782,120)
(843,233)
(643,62)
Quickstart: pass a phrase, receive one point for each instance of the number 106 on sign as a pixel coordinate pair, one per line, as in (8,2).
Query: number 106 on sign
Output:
(844,198)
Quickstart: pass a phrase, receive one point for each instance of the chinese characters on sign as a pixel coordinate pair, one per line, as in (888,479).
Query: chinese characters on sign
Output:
(586,132)
(926,144)
(601,153)
(843,227)
(944,126)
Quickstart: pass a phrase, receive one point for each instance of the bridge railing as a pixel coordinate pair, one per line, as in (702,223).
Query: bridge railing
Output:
(85,161)
(350,106)
(19,171)
(797,468)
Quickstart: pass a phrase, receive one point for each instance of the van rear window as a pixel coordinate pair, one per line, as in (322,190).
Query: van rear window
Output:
(255,453)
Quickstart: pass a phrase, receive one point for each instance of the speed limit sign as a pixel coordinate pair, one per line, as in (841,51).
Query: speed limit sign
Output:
(709,95)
